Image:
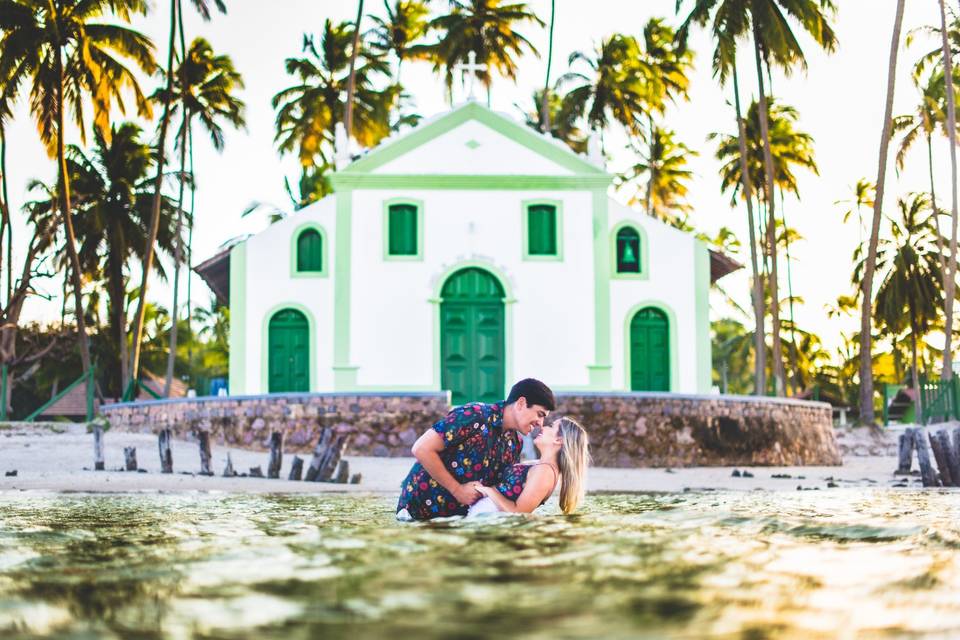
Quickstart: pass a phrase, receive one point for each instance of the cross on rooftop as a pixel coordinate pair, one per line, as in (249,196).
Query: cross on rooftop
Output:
(469,73)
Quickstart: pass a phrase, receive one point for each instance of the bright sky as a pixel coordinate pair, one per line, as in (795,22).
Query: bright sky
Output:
(840,101)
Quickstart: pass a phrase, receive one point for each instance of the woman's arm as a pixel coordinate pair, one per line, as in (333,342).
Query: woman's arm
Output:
(538,487)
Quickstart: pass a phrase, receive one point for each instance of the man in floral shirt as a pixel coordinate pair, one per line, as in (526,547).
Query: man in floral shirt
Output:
(472,444)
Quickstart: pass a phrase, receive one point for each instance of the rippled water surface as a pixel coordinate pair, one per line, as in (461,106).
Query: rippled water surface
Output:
(751,565)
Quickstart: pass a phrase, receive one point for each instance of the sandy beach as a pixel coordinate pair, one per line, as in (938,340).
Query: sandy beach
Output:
(59,457)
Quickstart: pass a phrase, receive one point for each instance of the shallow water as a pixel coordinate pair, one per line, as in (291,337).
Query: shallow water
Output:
(847,563)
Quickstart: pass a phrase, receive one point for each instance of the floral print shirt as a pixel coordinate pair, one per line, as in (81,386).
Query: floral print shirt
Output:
(514,479)
(476,447)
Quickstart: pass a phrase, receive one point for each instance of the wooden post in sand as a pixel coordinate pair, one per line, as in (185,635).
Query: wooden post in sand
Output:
(927,472)
(228,471)
(905,450)
(950,454)
(98,448)
(318,452)
(130,458)
(941,457)
(203,441)
(276,454)
(296,468)
(166,456)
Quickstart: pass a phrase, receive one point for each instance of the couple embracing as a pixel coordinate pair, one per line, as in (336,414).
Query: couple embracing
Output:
(470,462)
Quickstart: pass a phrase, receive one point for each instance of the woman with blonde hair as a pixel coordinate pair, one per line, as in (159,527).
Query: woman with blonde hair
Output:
(564,454)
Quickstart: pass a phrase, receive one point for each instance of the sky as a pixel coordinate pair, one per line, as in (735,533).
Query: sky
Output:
(840,99)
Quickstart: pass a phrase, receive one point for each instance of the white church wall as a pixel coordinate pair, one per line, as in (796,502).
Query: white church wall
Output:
(271,286)
(472,148)
(671,263)
(394,323)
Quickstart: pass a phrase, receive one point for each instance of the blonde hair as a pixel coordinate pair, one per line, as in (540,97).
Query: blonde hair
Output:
(573,459)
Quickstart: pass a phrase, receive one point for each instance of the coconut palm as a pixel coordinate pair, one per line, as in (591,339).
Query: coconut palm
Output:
(204,93)
(404,26)
(308,111)
(546,93)
(863,193)
(69,53)
(613,88)
(485,27)
(352,74)
(866,282)
(176,12)
(911,292)
(664,167)
(562,123)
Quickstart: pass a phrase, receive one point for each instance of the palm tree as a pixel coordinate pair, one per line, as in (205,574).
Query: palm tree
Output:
(863,193)
(205,93)
(176,10)
(950,275)
(614,87)
(664,165)
(351,76)
(112,200)
(545,95)
(562,122)
(405,24)
(866,282)
(308,111)
(727,31)
(68,54)
(911,283)
(486,27)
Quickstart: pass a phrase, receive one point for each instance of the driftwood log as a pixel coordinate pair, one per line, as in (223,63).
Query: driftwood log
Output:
(296,468)
(941,457)
(98,448)
(203,442)
(927,472)
(256,472)
(130,458)
(166,455)
(326,456)
(905,451)
(276,454)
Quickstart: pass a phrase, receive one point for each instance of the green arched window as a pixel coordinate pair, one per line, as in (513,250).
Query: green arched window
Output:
(402,233)
(628,250)
(542,230)
(309,251)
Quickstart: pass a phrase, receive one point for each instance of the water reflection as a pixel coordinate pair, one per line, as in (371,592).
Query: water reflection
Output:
(750,565)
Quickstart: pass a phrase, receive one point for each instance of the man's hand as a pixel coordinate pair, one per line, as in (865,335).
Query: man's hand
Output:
(467,494)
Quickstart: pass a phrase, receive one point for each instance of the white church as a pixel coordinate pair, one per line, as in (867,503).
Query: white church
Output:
(462,255)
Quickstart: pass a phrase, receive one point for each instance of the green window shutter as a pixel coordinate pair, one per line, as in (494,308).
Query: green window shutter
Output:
(628,250)
(403,230)
(310,251)
(542,230)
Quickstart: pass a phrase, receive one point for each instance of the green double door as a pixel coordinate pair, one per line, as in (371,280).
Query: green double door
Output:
(472,335)
(288,352)
(650,351)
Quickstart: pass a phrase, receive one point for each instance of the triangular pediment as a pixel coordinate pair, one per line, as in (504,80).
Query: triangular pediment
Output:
(472,139)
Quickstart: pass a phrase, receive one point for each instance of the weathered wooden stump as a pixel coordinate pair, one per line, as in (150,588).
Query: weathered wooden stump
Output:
(326,456)
(323,443)
(953,460)
(941,457)
(343,472)
(166,455)
(256,472)
(276,454)
(927,472)
(296,468)
(356,478)
(130,458)
(98,448)
(203,442)
(228,471)
(905,451)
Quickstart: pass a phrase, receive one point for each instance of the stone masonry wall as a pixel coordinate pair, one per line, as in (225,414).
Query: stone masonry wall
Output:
(626,429)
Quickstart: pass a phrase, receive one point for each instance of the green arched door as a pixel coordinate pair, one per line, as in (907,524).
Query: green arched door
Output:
(288,353)
(650,351)
(472,363)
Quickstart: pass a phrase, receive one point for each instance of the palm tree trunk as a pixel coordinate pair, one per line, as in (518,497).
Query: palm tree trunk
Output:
(951,285)
(193,191)
(936,212)
(8,223)
(768,190)
(545,99)
(866,357)
(794,351)
(650,163)
(65,212)
(352,79)
(177,259)
(116,293)
(759,343)
(919,408)
(148,256)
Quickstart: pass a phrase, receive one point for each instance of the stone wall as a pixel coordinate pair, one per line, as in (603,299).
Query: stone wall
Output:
(626,429)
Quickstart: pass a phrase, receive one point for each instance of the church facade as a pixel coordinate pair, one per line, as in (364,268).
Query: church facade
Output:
(462,255)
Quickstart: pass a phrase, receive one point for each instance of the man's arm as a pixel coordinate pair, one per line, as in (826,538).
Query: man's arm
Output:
(427,450)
